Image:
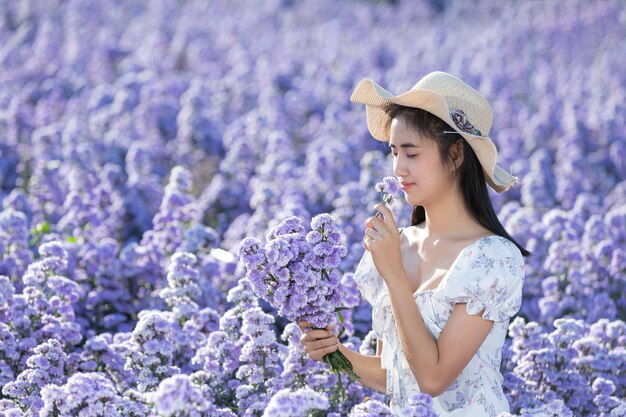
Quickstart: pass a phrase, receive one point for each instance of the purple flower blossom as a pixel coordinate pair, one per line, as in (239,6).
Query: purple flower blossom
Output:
(259,363)
(298,403)
(554,408)
(181,395)
(14,236)
(291,225)
(150,353)
(389,188)
(84,393)
(562,364)
(369,409)
(182,279)
(420,405)
(46,366)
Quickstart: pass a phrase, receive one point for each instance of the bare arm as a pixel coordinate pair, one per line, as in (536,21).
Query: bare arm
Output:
(318,343)
(368,368)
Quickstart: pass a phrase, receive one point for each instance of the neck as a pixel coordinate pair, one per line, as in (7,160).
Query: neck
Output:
(447,217)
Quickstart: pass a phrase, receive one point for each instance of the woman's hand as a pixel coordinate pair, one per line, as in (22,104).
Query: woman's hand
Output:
(317,343)
(383,240)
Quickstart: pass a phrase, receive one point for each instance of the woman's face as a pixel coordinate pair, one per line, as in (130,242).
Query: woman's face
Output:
(417,164)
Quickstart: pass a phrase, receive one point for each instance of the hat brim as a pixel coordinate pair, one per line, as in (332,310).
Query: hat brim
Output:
(376,98)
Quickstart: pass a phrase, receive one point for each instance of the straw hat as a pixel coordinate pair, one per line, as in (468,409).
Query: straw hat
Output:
(464,109)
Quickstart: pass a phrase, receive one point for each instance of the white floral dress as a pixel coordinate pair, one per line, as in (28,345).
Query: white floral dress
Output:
(488,273)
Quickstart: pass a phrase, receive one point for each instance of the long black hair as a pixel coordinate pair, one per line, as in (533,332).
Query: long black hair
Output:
(470,173)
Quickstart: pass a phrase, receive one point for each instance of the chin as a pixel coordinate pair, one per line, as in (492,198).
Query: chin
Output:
(415,203)
(414,199)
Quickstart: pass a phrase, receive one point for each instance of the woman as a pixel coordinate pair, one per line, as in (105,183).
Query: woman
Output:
(444,289)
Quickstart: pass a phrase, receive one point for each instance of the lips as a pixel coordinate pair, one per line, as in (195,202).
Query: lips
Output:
(406,185)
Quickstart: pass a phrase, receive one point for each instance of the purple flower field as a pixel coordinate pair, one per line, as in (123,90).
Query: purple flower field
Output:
(142,141)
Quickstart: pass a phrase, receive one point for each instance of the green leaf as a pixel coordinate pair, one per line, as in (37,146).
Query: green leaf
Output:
(341,332)
(341,320)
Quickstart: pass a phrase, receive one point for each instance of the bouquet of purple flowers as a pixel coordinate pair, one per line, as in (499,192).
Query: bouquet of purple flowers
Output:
(294,273)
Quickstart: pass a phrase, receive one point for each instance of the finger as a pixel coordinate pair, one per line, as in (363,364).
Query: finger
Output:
(374,220)
(369,243)
(368,224)
(304,325)
(386,212)
(372,235)
(307,339)
(377,223)
(312,345)
(316,334)
(383,209)
(321,344)
(318,355)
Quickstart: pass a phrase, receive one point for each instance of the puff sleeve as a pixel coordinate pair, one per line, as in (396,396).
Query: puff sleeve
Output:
(489,275)
(367,279)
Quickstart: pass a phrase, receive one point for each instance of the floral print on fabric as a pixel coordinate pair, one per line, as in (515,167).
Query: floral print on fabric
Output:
(490,281)
(487,274)
(462,122)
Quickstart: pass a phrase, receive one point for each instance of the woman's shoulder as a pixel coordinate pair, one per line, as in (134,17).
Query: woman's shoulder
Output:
(495,247)
(489,273)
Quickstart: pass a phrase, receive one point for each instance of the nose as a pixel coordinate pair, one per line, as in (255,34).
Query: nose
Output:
(399,167)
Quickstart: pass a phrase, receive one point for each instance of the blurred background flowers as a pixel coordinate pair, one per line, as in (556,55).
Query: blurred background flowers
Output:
(141,141)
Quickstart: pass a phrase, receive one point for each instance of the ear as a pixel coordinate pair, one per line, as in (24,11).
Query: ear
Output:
(456,152)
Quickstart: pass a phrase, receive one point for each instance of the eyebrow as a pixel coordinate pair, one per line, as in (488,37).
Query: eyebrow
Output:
(406,145)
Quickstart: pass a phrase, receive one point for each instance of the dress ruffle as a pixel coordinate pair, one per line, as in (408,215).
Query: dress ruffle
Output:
(488,276)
